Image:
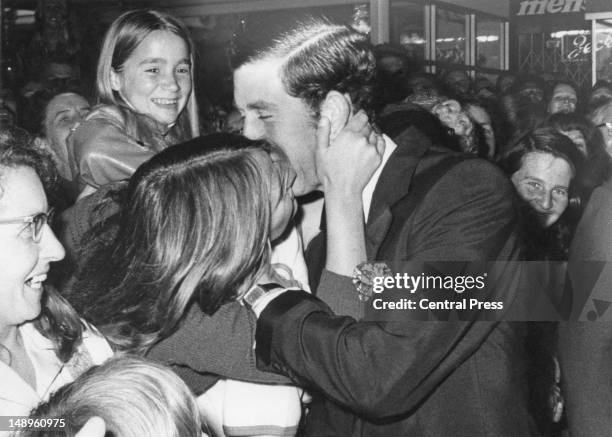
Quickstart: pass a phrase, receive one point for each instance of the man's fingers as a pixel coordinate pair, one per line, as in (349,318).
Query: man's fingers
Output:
(358,121)
(94,427)
(373,138)
(323,132)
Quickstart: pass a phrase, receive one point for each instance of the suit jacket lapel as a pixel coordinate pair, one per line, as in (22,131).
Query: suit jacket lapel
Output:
(393,185)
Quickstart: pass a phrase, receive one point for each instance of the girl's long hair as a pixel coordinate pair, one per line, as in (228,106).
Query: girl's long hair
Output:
(194,229)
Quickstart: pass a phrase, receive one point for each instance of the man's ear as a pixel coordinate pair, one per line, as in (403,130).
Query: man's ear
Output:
(115,80)
(337,108)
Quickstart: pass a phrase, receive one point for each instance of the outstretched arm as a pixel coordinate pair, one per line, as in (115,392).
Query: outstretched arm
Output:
(376,370)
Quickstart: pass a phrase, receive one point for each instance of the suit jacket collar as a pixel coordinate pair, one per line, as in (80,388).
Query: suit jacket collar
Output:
(393,184)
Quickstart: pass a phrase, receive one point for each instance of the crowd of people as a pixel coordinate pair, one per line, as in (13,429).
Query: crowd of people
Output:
(188,292)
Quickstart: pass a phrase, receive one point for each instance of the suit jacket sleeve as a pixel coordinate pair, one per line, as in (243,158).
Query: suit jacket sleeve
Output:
(378,370)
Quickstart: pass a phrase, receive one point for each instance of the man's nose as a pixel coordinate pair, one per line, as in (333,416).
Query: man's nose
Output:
(253,129)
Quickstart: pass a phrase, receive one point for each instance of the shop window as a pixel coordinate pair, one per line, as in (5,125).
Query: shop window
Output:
(407,27)
(603,49)
(450,36)
(488,43)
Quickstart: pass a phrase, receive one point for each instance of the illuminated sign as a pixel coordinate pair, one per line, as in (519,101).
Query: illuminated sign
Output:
(539,7)
(584,47)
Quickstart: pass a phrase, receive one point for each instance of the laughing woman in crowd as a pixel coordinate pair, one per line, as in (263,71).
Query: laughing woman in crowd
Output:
(145,87)
(543,166)
(43,343)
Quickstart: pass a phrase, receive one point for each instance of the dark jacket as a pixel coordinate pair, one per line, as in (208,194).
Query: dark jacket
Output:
(585,346)
(410,378)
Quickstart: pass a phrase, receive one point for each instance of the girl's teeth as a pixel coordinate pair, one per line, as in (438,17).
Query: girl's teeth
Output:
(165,101)
(36,281)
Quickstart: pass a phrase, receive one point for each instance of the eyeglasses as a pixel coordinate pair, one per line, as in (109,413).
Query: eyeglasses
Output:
(35,222)
(607,126)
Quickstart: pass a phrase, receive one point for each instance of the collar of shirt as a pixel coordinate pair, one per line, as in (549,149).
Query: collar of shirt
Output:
(368,191)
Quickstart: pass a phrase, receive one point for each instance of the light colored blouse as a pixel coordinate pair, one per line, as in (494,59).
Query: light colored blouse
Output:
(18,398)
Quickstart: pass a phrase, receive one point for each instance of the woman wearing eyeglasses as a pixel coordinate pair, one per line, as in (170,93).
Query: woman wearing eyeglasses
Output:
(43,343)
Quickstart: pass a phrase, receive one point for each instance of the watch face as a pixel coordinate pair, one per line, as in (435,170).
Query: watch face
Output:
(251,296)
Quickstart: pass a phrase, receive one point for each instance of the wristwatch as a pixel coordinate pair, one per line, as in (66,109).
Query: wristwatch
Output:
(258,291)
(363,277)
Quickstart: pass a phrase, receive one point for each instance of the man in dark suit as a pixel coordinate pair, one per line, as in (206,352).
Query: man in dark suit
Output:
(423,203)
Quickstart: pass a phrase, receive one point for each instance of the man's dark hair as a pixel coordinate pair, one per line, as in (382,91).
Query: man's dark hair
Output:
(318,57)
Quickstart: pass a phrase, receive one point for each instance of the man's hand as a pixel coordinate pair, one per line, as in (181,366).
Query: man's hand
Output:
(346,162)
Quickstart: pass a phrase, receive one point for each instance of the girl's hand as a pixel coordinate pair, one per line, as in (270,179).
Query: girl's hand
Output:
(346,162)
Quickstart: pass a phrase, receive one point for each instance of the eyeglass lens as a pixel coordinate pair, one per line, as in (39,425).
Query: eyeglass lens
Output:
(38,222)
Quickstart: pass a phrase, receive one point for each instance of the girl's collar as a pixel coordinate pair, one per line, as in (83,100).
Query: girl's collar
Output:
(162,128)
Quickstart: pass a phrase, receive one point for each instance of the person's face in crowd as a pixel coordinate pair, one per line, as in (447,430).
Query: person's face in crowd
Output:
(458,81)
(481,116)
(156,79)
(423,92)
(24,262)
(543,181)
(563,100)
(578,139)
(453,116)
(270,113)
(605,127)
(421,85)
(506,83)
(391,64)
(532,91)
(63,112)
(600,94)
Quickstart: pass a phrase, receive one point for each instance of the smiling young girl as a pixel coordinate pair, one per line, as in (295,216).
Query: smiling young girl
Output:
(145,88)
